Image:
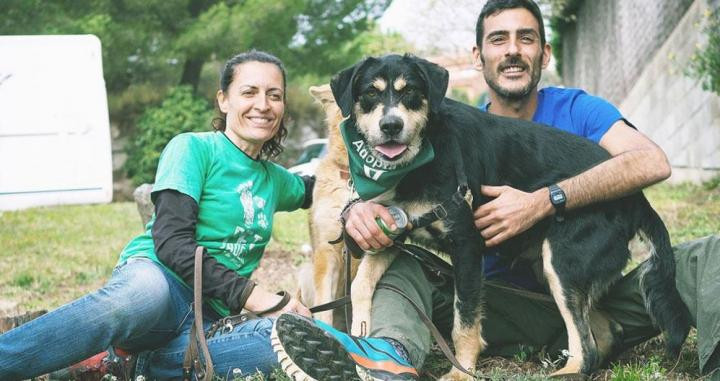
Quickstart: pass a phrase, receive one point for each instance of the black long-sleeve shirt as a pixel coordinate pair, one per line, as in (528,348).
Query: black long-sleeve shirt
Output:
(173,234)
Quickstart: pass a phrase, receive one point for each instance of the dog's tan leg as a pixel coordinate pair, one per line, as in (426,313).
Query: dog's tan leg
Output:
(371,269)
(326,277)
(468,343)
(576,360)
(306,288)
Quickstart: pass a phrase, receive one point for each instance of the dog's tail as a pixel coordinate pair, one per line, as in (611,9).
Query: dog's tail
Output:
(657,282)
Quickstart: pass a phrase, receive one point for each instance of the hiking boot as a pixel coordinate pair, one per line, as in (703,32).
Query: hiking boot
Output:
(312,350)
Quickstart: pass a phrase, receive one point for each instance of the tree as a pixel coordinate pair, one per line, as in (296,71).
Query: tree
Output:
(166,42)
(152,46)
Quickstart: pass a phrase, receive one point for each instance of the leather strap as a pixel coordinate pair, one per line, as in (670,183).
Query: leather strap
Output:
(440,211)
(197,334)
(278,306)
(337,303)
(427,259)
(348,284)
(462,195)
(439,339)
(431,261)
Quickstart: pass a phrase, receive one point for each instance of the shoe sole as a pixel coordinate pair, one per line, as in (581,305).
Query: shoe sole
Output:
(309,353)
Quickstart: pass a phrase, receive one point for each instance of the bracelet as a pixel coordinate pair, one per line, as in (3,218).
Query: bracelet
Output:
(347,209)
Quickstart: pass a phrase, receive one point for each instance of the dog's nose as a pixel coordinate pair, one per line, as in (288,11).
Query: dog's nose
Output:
(391,125)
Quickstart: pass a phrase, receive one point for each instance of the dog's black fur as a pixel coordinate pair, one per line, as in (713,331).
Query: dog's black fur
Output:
(588,250)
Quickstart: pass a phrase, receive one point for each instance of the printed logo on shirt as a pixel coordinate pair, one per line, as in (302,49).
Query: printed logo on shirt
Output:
(245,238)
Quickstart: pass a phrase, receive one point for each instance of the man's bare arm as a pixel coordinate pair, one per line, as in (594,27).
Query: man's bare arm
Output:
(636,163)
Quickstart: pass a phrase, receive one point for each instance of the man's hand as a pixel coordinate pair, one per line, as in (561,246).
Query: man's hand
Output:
(361,225)
(510,213)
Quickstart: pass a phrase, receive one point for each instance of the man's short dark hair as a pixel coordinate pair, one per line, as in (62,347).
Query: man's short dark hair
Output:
(494,6)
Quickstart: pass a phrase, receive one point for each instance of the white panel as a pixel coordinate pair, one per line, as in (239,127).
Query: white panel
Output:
(54,128)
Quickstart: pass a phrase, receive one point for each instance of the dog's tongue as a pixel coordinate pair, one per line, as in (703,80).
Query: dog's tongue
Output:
(391,150)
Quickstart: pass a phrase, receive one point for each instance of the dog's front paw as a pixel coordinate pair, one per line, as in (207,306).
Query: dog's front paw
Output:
(456,375)
(569,372)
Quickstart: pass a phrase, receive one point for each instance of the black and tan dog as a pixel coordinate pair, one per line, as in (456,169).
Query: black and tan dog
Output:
(396,103)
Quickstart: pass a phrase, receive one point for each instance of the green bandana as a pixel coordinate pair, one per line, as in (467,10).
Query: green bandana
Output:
(370,177)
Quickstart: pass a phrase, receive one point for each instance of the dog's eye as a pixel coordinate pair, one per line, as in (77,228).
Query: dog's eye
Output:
(372,93)
(409,91)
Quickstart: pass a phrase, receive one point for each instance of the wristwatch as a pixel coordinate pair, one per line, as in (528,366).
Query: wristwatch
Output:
(557,199)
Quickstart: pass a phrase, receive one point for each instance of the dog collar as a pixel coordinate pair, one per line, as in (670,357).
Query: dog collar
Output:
(370,177)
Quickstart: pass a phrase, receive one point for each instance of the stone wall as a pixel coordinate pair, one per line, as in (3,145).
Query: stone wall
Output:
(635,53)
(607,48)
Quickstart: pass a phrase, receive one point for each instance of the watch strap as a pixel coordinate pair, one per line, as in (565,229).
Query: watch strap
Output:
(558,199)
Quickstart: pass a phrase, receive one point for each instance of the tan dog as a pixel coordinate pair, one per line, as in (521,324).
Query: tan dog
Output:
(330,196)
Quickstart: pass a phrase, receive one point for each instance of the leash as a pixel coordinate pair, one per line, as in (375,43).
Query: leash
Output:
(191,360)
(432,263)
(198,338)
(462,195)
(439,339)
(343,301)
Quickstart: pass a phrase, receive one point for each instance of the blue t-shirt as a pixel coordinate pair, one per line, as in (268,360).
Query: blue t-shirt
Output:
(571,110)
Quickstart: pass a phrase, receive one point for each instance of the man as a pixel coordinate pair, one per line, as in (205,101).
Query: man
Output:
(511,51)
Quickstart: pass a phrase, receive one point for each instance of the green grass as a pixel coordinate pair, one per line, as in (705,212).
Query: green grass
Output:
(290,231)
(689,211)
(636,371)
(55,254)
(52,255)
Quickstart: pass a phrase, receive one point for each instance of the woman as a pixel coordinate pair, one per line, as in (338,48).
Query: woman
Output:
(212,190)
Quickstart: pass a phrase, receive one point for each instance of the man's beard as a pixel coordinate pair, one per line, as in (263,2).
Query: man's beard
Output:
(515,94)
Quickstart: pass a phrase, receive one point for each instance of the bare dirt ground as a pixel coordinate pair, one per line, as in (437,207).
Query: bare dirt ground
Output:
(278,270)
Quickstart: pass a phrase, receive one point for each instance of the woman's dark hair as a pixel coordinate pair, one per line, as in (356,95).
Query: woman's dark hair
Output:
(494,6)
(272,147)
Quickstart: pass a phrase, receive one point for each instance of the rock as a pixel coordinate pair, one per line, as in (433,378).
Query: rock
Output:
(144,203)
(8,308)
(9,322)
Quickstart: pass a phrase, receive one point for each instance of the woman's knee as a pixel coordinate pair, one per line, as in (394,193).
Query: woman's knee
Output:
(137,285)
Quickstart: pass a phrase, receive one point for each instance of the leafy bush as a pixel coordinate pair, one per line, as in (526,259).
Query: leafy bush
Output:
(713,183)
(181,111)
(705,63)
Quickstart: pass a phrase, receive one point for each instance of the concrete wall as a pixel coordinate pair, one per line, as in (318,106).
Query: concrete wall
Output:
(608,47)
(639,64)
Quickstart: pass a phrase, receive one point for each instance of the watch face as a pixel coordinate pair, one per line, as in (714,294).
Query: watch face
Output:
(557,196)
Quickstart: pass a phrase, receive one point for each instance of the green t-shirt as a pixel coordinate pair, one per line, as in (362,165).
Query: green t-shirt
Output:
(236,195)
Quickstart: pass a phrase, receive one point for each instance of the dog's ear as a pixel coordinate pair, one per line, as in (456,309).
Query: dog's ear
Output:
(343,84)
(436,80)
(322,94)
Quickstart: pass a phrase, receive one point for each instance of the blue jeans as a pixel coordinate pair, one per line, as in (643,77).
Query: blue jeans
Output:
(142,309)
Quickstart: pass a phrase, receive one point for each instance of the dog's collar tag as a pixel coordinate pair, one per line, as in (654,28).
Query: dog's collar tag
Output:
(468,197)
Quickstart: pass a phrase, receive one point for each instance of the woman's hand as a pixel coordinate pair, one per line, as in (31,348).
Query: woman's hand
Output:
(293,305)
(261,299)
(361,225)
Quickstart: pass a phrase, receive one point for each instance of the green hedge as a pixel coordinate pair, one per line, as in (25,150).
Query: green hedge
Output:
(563,15)
(705,63)
(181,111)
